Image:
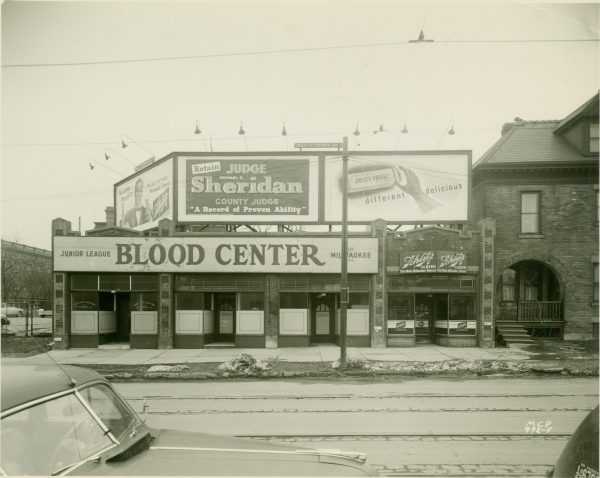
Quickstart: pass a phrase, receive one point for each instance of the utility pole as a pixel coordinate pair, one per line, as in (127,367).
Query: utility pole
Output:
(344,292)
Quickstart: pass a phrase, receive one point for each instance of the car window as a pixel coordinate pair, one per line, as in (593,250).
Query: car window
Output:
(110,409)
(47,437)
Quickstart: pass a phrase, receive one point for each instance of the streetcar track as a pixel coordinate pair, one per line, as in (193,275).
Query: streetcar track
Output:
(353,397)
(366,410)
(409,437)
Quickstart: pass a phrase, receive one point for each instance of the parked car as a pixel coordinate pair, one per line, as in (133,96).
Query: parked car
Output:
(59,420)
(11,311)
(579,458)
(45,312)
(5,320)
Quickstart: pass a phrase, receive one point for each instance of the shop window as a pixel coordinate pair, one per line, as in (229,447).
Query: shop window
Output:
(462,307)
(399,307)
(252,301)
(144,282)
(114,282)
(144,301)
(84,301)
(106,301)
(595,292)
(189,301)
(530,213)
(359,301)
(507,284)
(290,300)
(400,314)
(594,133)
(84,282)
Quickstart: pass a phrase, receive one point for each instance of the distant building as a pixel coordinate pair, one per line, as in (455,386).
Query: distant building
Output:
(539,184)
(26,275)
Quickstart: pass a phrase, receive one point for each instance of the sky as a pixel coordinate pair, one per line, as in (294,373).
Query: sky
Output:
(77,76)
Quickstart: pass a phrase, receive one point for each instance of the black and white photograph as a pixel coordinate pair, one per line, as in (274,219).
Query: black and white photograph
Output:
(300,238)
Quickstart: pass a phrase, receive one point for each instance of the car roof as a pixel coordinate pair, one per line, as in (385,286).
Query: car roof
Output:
(24,380)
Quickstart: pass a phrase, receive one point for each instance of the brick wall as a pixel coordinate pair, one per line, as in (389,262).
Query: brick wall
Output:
(567,243)
(432,239)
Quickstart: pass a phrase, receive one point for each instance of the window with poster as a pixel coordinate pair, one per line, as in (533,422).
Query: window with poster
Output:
(400,320)
(461,314)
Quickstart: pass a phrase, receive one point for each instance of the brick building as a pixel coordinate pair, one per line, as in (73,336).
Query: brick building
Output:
(26,275)
(539,185)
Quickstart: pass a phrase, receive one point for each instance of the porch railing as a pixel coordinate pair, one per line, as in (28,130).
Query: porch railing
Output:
(535,310)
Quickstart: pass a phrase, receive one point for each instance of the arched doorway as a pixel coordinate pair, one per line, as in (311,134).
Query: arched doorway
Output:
(529,293)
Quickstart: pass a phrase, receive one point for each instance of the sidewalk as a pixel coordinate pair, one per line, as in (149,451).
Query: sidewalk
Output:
(323,353)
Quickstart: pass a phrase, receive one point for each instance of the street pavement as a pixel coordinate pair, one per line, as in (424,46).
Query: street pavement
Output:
(416,427)
(320,353)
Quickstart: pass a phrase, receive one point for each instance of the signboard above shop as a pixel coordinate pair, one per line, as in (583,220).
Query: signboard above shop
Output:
(433,261)
(213,254)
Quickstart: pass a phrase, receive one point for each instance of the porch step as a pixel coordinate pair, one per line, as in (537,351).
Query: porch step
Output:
(220,345)
(115,346)
(513,333)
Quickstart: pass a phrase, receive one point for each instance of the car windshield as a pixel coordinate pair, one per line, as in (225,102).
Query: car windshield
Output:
(47,437)
(113,412)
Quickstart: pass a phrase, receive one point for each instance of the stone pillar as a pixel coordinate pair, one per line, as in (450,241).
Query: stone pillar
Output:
(378,290)
(61,315)
(486,326)
(271,311)
(165,312)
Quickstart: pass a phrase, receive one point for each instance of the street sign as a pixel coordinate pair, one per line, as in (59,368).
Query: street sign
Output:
(318,145)
(144,164)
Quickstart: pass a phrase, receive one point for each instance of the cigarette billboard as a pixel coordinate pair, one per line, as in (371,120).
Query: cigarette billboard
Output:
(143,200)
(411,188)
(255,189)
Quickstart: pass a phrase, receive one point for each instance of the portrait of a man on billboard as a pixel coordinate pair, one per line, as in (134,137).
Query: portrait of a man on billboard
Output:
(140,213)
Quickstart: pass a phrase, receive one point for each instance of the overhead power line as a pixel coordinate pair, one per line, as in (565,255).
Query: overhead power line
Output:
(284,51)
(224,138)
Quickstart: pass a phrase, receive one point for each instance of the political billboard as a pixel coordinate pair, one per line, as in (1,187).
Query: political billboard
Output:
(254,189)
(143,200)
(402,188)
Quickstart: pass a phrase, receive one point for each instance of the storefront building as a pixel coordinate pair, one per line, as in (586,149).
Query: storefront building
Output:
(170,268)
(406,288)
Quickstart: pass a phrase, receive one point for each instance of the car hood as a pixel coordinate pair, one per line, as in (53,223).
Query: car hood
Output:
(187,453)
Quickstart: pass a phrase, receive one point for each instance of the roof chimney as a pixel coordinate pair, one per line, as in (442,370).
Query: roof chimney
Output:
(110,216)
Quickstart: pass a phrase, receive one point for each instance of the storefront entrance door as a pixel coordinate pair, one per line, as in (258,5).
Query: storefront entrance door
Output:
(322,318)
(225,317)
(428,309)
(123,316)
(423,318)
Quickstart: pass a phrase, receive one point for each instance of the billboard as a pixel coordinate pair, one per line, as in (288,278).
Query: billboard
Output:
(213,254)
(251,189)
(145,198)
(410,188)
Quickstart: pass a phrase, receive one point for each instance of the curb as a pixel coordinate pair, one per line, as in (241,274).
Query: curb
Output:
(266,375)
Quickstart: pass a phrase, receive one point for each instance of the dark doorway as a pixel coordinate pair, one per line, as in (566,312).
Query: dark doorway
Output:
(224,325)
(123,316)
(429,308)
(322,318)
